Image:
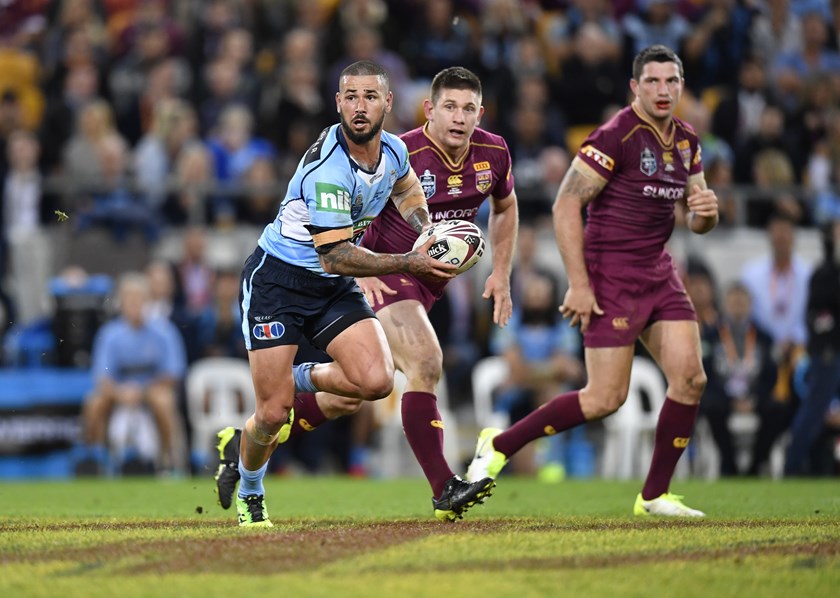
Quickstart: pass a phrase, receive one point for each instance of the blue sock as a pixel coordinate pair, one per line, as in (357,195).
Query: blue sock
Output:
(303,377)
(251,482)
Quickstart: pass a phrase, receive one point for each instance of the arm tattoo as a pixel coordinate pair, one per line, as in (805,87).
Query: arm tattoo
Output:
(574,183)
(347,259)
(418,219)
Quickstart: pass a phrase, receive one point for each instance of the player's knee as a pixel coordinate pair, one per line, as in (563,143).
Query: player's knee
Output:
(696,384)
(376,387)
(425,370)
(601,403)
(271,416)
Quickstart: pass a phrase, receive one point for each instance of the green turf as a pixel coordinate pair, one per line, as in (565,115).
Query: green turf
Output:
(345,537)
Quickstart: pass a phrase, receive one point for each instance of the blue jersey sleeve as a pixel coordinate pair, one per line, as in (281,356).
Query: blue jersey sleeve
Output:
(328,193)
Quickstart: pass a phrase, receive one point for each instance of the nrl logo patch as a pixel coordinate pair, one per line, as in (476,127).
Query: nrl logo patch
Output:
(483,181)
(647,163)
(428,182)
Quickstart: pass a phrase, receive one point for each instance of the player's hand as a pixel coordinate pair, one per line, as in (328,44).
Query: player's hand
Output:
(703,202)
(422,265)
(498,287)
(579,304)
(373,288)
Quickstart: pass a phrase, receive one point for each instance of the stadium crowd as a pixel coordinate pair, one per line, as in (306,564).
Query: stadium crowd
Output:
(161,119)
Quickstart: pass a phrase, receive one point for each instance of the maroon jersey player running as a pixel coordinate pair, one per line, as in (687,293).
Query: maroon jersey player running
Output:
(459,166)
(622,283)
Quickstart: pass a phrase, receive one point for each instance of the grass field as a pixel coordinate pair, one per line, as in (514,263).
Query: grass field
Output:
(345,537)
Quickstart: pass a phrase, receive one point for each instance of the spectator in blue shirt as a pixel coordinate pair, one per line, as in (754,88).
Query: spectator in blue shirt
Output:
(137,360)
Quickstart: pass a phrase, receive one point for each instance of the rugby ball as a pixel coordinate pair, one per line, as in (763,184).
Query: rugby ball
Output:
(457,242)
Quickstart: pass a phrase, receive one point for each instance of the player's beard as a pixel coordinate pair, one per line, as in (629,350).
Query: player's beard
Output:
(362,138)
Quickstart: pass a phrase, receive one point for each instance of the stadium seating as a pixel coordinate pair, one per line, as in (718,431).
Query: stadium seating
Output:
(628,443)
(487,375)
(219,394)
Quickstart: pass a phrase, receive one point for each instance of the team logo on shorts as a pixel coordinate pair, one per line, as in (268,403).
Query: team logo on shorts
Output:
(268,331)
(428,182)
(647,163)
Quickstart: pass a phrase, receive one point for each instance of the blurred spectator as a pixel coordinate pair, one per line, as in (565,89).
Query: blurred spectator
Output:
(655,22)
(25,210)
(774,190)
(771,134)
(741,372)
(543,354)
(173,127)
(218,325)
(792,69)
(717,44)
(778,285)
(260,204)
(11,119)
(81,87)
(823,319)
(81,161)
(592,77)
(137,361)
(130,77)
(189,199)
(775,30)
(166,302)
(365,43)
(737,116)
(194,276)
(166,80)
(113,203)
(223,89)
(438,39)
(234,150)
(21,23)
(300,99)
(237,48)
(61,54)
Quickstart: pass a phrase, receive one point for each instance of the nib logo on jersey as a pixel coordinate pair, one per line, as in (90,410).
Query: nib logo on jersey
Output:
(268,331)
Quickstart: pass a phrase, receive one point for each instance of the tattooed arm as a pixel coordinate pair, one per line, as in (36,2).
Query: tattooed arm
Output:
(410,200)
(580,186)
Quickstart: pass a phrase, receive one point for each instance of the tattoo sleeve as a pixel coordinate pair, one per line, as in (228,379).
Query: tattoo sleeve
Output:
(347,259)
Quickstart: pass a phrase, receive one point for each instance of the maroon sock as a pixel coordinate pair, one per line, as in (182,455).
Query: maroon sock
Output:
(676,422)
(308,415)
(561,413)
(424,431)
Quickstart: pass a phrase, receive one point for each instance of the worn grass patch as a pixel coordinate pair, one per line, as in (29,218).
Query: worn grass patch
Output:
(340,537)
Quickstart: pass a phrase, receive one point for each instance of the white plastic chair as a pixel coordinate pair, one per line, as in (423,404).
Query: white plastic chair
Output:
(628,444)
(220,393)
(395,457)
(487,375)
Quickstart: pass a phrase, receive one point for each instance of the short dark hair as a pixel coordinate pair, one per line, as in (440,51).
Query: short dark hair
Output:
(657,53)
(366,68)
(455,77)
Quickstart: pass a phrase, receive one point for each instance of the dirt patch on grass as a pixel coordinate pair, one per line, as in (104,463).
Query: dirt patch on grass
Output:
(302,545)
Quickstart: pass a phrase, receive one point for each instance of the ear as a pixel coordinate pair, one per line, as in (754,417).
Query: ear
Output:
(480,114)
(389,101)
(338,102)
(427,108)
(634,87)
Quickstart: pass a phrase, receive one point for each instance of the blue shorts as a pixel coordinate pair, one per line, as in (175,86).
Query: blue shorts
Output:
(281,303)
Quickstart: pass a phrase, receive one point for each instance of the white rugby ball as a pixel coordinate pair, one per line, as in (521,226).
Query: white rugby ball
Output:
(457,242)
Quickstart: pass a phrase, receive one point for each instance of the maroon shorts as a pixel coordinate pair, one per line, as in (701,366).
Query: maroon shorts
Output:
(633,298)
(409,287)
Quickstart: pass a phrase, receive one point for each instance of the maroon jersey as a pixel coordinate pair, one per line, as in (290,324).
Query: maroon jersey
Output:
(454,191)
(633,216)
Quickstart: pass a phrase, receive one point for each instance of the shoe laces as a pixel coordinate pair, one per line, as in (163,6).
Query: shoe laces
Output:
(255,507)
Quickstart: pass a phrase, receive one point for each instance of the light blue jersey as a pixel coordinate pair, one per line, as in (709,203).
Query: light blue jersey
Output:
(330,191)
